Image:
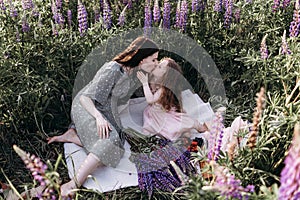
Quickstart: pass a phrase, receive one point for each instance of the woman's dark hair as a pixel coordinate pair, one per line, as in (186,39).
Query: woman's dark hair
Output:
(171,87)
(139,49)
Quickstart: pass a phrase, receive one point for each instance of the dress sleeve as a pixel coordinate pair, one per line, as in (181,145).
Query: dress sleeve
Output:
(100,88)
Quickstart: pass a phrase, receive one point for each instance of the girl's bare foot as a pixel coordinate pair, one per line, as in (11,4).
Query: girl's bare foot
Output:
(69,136)
(199,127)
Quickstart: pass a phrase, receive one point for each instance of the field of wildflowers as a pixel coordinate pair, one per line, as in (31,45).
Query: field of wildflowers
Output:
(254,44)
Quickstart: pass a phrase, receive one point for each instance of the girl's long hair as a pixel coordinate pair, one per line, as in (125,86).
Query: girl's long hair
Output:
(171,90)
(139,49)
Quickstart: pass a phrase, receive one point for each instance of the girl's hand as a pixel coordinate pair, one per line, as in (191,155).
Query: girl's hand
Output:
(103,127)
(142,77)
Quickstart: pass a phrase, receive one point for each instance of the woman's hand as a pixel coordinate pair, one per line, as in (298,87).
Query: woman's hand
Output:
(103,127)
(142,77)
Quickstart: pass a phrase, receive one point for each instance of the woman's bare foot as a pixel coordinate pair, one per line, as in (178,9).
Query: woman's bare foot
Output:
(67,189)
(69,136)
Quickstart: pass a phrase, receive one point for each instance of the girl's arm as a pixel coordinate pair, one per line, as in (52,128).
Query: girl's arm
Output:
(150,97)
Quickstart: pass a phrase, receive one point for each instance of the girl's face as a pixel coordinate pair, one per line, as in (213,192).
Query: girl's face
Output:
(148,64)
(161,69)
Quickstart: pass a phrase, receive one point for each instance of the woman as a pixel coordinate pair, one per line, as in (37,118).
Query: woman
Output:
(94,109)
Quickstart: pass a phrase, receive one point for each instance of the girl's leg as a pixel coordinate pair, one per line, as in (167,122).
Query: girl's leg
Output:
(87,167)
(69,136)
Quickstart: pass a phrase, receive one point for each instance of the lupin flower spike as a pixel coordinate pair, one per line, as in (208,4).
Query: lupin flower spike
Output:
(295,24)
(284,45)
(290,175)
(256,118)
(227,185)
(38,170)
(122,16)
(264,49)
(166,14)
(156,11)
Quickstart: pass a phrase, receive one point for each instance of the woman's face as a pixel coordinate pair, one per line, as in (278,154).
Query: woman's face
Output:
(148,64)
(161,69)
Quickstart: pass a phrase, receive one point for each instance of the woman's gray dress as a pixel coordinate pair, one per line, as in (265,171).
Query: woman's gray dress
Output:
(109,88)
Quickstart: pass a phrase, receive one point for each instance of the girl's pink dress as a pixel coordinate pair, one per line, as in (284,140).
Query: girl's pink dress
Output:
(169,124)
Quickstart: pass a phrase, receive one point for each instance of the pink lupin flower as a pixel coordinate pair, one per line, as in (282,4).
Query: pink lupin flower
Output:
(156,11)
(263,48)
(289,180)
(38,170)
(122,16)
(227,185)
(284,45)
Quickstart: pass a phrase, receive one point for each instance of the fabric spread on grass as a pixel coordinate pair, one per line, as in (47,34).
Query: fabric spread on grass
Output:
(128,174)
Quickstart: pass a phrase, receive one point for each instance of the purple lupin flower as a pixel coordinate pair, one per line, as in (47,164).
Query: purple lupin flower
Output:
(284,46)
(216,136)
(96,14)
(82,18)
(2,6)
(228,13)
(57,16)
(227,185)
(183,15)
(58,4)
(156,11)
(148,18)
(290,175)
(202,5)
(13,11)
(263,48)
(25,25)
(69,16)
(276,5)
(129,4)
(218,6)
(295,24)
(237,15)
(27,4)
(106,14)
(35,13)
(122,17)
(166,15)
(177,22)
(286,3)
(195,5)
(101,5)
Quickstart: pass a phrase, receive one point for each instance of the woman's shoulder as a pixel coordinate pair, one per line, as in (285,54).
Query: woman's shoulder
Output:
(113,65)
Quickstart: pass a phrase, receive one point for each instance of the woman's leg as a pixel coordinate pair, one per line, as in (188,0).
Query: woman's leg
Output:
(69,136)
(87,167)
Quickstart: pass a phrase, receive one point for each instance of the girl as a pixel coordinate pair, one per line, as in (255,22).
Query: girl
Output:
(164,115)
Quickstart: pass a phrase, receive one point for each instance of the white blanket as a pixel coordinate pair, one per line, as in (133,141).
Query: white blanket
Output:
(124,175)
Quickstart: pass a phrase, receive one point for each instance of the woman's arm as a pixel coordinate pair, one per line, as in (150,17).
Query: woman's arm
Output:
(103,127)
